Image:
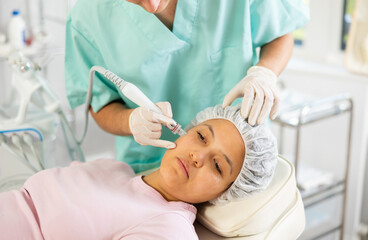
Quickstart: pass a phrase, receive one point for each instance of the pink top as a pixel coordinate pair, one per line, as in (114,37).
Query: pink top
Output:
(102,199)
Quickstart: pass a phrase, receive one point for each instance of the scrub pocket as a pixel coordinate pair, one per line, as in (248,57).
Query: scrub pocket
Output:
(229,66)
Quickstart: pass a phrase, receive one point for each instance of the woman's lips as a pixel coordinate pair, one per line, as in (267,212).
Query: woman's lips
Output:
(183,166)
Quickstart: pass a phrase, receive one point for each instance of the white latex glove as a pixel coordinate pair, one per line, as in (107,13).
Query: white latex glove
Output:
(260,95)
(145,125)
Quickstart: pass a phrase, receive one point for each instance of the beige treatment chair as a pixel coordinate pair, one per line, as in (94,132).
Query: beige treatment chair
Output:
(274,214)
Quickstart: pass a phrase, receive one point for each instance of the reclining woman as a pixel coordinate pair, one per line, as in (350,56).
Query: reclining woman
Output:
(220,159)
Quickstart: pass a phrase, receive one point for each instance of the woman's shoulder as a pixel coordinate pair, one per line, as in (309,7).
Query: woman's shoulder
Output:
(112,165)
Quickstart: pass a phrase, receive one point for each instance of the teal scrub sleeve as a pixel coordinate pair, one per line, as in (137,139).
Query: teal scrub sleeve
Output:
(271,19)
(80,56)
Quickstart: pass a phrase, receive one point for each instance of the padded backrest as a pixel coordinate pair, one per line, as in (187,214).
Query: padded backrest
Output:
(257,213)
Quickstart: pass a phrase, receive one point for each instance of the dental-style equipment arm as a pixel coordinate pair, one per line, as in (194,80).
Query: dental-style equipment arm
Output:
(29,85)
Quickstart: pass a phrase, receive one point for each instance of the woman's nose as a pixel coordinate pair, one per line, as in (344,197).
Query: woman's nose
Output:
(198,158)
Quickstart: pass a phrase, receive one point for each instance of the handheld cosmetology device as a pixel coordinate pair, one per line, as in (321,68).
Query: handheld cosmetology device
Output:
(132,92)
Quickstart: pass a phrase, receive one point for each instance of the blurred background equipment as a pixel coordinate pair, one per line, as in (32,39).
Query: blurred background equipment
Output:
(324,190)
(17,31)
(29,122)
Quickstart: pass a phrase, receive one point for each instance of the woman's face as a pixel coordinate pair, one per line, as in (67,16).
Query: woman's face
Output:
(205,162)
(152,6)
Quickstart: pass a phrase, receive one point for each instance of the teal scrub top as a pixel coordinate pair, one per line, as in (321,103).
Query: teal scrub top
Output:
(210,48)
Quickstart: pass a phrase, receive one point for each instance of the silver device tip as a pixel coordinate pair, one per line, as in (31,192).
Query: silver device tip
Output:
(181,132)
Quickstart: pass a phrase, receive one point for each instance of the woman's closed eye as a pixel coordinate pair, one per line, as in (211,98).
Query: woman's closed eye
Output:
(217,166)
(201,137)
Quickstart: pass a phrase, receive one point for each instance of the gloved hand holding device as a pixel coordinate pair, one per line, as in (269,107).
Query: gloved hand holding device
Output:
(260,95)
(146,127)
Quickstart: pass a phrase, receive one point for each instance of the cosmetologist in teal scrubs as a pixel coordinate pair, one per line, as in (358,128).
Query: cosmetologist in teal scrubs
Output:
(208,51)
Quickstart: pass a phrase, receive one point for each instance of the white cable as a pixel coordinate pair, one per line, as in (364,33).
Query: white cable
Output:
(89,98)
(77,148)
(27,138)
(30,166)
(2,139)
(15,139)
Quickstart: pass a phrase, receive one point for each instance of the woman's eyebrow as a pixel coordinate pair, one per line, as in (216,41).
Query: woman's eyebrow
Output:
(227,159)
(211,130)
(229,162)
